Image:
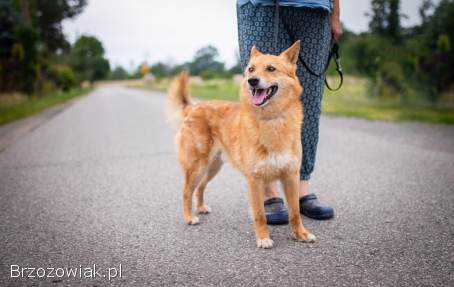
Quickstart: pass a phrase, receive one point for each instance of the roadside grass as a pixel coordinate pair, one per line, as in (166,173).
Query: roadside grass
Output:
(17,106)
(350,101)
(226,90)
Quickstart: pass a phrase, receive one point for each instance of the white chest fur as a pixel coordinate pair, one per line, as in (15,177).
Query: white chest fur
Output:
(277,162)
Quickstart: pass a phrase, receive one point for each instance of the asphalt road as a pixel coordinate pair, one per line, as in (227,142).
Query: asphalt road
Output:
(99,184)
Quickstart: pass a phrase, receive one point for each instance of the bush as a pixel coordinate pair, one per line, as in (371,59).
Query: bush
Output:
(210,74)
(64,77)
(389,80)
(119,74)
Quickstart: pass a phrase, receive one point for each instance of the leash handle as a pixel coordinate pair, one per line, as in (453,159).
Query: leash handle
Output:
(334,52)
(337,59)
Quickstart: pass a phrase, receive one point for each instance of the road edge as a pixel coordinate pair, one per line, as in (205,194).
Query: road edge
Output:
(15,130)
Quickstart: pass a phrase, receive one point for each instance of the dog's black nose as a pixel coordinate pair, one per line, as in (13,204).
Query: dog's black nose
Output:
(254,81)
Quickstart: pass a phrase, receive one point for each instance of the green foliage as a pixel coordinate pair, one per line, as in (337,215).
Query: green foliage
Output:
(210,74)
(205,61)
(119,73)
(31,39)
(385,18)
(27,66)
(443,43)
(204,64)
(390,80)
(393,19)
(64,77)
(87,59)
(49,17)
(404,64)
(161,70)
(378,16)
(424,10)
(8,19)
(236,69)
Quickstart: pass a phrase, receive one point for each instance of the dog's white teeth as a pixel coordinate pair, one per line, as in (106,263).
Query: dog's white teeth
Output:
(268,91)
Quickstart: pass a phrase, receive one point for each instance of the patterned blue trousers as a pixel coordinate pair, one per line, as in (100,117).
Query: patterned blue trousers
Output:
(311,26)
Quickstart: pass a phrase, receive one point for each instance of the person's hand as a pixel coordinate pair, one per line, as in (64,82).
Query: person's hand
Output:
(336,27)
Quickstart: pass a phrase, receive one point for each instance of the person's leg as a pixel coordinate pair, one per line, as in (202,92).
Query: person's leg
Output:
(256,27)
(271,190)
(312,27)
(304,188)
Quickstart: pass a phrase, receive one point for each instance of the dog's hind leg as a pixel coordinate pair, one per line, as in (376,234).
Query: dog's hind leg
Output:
(192,178)
(213,169)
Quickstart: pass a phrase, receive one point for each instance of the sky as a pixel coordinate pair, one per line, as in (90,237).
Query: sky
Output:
(135,31)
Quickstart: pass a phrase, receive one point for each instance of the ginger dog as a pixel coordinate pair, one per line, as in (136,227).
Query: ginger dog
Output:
(260,136)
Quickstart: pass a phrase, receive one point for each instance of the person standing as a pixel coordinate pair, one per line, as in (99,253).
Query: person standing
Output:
(272,26)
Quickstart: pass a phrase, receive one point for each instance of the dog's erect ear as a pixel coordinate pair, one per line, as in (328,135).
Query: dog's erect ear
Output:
(292,53)
(255,52)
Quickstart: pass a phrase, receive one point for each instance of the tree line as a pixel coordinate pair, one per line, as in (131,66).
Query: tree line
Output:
(412,62)
(403,62)
(406,63)
(35,55)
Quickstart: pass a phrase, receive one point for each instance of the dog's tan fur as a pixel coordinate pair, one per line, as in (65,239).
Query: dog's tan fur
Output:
(262,142)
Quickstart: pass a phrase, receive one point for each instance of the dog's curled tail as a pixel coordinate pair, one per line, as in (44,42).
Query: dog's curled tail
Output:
(178,98)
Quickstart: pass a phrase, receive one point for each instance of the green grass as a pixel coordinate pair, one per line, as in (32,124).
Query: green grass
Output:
(216,89)
(13,107)
(350,101)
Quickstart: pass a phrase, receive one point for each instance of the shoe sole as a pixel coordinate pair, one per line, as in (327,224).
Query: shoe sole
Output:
(280,218)
(319,217)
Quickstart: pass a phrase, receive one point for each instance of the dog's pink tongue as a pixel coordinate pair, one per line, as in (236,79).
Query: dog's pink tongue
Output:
(259,97)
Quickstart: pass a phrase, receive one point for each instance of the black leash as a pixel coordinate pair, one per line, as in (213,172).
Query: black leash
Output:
(334,52)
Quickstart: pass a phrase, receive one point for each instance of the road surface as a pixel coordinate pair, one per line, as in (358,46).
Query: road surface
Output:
(99,184)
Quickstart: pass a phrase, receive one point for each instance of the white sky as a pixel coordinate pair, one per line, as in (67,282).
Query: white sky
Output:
(158,30)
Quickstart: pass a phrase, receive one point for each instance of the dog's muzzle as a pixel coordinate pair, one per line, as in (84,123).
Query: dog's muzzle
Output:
(260,96)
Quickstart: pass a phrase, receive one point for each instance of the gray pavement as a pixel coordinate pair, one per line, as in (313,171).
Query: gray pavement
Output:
(99,184)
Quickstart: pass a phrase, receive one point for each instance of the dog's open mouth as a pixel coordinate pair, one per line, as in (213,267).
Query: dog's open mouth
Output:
(262,96)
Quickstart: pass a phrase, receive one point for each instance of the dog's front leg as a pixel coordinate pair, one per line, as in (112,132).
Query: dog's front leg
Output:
(290,183)
(256,190)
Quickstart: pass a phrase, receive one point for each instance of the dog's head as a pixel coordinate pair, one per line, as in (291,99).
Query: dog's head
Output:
(270,81)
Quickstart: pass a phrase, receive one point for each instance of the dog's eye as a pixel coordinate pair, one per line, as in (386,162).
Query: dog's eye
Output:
(251,69)
(270,69)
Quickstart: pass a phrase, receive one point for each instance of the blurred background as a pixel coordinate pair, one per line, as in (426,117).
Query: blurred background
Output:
(397,55)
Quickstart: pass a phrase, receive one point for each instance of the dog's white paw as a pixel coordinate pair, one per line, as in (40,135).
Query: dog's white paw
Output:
(204,209)
(193,220)
(310,238)
(265,243)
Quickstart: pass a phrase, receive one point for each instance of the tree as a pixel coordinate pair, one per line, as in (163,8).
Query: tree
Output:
(393,20)
(87,59)
(31,38)
(160,70)
(18,48)
(426,6)
(205,61)
(49,17)
(236,69)
(385,18)
(377,23)
(436,66)
(119,73)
